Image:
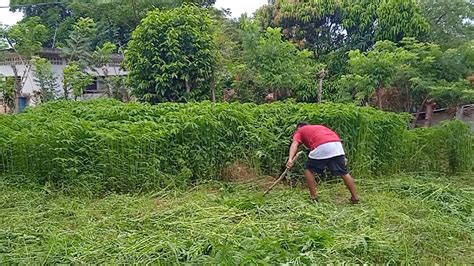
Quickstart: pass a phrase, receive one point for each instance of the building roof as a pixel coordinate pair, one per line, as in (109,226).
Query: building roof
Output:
(52,52)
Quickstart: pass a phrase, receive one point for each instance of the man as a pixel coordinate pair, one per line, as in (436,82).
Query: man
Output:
(326,151)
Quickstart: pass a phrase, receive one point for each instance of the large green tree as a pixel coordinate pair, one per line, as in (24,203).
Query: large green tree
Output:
(397,19)
(273,66)
(116,19)
(410,76)
(172,55)
(452,21)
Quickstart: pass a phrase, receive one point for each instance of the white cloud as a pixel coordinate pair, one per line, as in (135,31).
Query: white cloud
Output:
(238,7)
(7,17)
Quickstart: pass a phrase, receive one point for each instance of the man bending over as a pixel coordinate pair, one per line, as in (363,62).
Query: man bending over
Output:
(326,152)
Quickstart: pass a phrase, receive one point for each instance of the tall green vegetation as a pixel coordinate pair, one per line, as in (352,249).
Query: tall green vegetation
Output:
(44,78)
(171,56)
(124,147)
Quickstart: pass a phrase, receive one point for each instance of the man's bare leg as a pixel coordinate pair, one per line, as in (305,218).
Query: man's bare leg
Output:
(311,182)
(349,181)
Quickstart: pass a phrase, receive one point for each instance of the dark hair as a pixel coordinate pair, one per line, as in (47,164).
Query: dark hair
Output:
(301,124)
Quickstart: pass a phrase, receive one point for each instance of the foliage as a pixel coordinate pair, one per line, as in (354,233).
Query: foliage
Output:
(44,78)
(75,80)
(232,224)
(401,76)
(27,37)
(358,20)
(7,93)
(79,44)
(398,19)
(116,19)
(175,144)
(446,148)
(311,24)
(451,21)
(453,94)
(171,55)
(332,28)
(272,65)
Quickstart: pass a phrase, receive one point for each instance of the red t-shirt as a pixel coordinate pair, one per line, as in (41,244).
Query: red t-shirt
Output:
(314,135)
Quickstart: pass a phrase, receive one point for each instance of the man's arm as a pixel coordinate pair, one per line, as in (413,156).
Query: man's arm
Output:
(293,149)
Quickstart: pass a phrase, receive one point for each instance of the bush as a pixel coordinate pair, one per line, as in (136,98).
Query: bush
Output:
(106,145)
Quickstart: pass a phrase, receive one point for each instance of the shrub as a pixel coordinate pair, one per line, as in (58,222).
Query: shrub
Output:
(106,145)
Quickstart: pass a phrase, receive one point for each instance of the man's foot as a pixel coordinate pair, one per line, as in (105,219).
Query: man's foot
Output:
(354,200)
(314,199)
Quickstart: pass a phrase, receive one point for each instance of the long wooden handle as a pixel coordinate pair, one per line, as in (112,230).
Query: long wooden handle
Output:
(282,175)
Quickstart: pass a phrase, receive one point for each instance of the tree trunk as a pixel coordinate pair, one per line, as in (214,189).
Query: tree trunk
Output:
(417,116)
(322,75)
(430,105)
(188,86)
(17,88)
(213,92)
(378,94)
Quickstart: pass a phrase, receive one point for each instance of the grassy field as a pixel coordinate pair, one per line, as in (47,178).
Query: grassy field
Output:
(401,219)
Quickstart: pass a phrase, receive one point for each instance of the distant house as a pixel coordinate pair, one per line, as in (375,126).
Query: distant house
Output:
(465,113)
(27,97)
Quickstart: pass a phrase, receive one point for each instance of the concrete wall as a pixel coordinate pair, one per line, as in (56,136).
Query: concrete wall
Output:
(2,108)
(58,65)
(438,117)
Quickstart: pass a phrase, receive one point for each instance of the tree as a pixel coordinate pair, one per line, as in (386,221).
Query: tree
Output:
(451,21)
(77,51)
(274,66)
(228,40)
(75,80)
(79,44)
(7,93)
(171,55)
(26,39)
(410,76)
(373,71)
(99,59)
(315,25)
(398,19)
(116,19)
(359,17)
(44,77)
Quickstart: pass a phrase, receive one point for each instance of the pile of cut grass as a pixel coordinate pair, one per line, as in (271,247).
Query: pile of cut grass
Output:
(402,219)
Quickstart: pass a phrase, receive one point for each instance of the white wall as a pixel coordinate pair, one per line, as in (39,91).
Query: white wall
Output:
(30,86)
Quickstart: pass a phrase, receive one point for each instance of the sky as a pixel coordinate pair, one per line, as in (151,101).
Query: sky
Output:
(7,17)
(237,7)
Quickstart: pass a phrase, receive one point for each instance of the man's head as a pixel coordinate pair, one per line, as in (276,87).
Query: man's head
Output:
(301,124)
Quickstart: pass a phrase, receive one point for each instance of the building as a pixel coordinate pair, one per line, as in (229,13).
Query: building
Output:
(27,97)
(465,113)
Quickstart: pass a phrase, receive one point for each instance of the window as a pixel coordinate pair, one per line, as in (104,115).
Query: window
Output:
(92,88)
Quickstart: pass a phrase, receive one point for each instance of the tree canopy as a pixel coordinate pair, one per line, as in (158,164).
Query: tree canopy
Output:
(171,55)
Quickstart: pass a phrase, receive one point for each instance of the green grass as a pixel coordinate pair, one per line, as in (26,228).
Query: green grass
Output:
(402,219)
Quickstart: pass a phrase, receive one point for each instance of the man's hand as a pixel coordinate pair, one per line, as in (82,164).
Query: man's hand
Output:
(290,164)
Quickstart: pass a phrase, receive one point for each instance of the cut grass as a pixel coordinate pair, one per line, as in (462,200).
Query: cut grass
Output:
(401,219)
